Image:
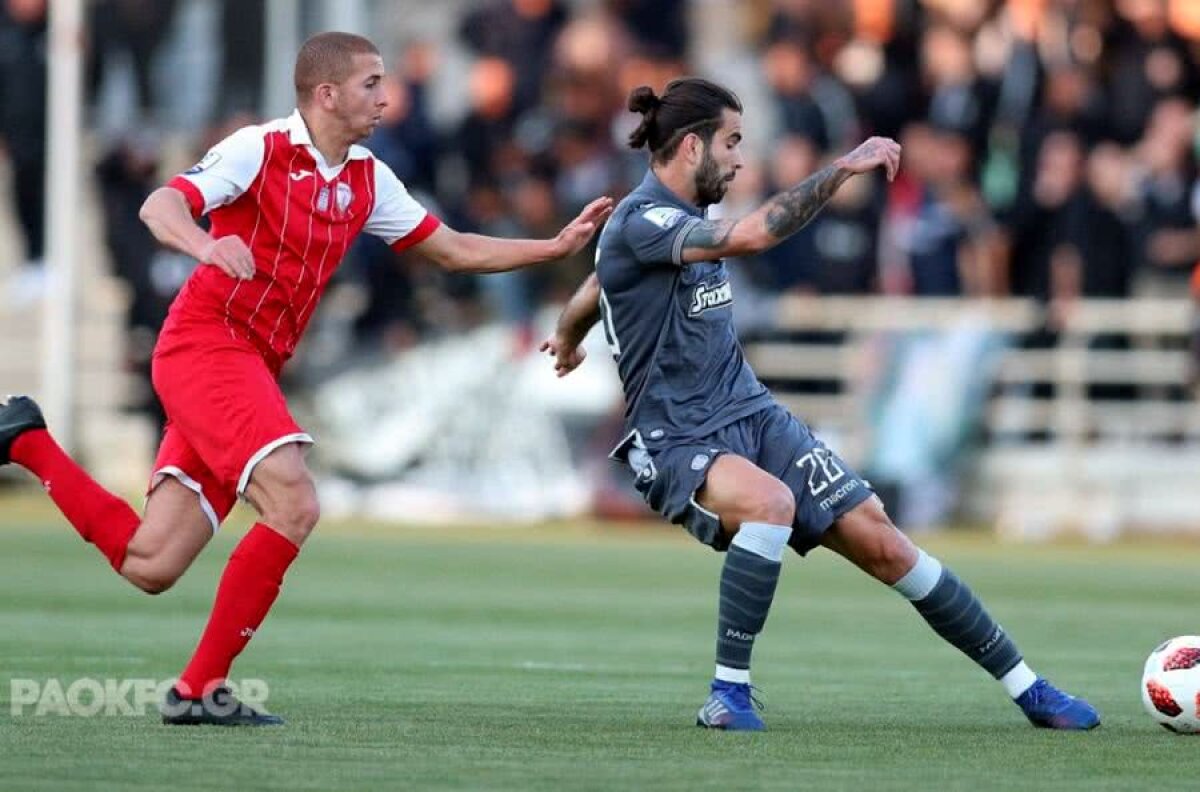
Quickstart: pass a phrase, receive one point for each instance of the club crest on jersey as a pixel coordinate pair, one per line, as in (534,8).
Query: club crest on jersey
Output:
(342,197)
(206,162)
(706,297)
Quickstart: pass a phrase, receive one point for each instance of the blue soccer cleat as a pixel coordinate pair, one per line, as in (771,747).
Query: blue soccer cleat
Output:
(1047,707)
(730,706)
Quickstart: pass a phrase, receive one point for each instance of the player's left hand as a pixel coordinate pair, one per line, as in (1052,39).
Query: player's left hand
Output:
(566,357)
(876,152)
(577,232)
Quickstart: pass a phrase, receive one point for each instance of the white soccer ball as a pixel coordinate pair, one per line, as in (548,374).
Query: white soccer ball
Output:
(1171,684)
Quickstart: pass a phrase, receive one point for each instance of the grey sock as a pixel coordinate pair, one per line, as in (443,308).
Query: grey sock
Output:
(956,614)
(747,587)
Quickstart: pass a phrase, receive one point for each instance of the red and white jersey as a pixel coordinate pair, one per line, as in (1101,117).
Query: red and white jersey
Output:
(298,215)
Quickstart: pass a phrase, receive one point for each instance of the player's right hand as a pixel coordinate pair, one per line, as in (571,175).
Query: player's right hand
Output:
(566,357)
(230,254)
(873,153)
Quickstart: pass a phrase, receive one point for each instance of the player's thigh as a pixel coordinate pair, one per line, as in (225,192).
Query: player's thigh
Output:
(739,491)
(868,538)
(282,490)
(824,486)
(226,403)
(174,529)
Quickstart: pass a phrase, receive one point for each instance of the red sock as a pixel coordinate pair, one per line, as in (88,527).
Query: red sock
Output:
(99,516)
(247,589)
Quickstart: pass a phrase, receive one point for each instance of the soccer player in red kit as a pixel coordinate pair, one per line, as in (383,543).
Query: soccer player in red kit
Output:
(285,199)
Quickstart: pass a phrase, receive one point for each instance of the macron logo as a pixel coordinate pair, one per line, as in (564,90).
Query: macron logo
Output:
(300,174)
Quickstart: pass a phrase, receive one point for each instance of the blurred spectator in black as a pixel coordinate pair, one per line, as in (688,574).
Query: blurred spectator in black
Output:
(809,102)
(1042,224)
(126,176)
(484,136)
(521,32)
(1070,100)
(514,297)
(658,26)
(1102,228)
(23,118)
(243,29)
(585,98)
(406,139)
(959,98)
(1168,237)
(938,222)
(837,252)
(880,66)
(134,28)
(389,319)
(1149,62)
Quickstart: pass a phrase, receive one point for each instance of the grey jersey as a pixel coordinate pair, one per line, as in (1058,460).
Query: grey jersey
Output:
(670,325)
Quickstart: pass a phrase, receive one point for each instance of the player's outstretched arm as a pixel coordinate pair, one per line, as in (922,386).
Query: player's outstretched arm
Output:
(787,212)
(461,252)
(582,311)
(167,214)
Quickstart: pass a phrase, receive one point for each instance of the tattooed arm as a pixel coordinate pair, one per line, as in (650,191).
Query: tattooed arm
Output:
(787,212)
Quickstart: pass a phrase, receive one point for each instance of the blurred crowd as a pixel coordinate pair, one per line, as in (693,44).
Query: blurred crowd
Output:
(1050,146)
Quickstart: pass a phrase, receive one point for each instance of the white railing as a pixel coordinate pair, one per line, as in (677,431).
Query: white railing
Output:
(1054,453)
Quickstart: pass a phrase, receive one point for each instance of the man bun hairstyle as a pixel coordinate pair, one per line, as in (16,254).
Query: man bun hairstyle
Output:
(688,105)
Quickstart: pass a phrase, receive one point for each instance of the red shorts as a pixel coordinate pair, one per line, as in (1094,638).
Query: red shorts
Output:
(225,413)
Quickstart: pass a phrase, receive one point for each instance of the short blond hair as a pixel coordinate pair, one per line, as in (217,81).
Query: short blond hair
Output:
(327,58)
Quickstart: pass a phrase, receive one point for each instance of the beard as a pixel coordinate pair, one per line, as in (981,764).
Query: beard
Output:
(710,182)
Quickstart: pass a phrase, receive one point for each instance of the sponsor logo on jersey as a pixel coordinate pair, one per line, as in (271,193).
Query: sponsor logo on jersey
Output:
(664,216)
(300,174)
(707,297)
(209,159)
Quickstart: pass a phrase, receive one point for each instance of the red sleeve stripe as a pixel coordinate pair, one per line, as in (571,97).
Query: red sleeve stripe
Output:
(191,192)
(418,234)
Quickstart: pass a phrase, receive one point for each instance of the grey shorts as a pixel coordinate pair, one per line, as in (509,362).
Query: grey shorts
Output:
(668,475)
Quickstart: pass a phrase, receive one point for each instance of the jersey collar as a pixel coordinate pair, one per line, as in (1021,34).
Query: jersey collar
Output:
(299,136)
(652,185)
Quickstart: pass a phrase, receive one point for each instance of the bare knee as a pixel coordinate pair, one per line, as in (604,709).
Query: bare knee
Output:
(772,503)
(150,577)
(888,554)
(295,513)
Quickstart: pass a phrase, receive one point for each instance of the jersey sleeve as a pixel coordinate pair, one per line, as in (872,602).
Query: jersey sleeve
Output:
(397,218)
(225,172)
(656,233)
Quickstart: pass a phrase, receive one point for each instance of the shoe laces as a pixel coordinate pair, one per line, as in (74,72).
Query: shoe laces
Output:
(1043,695)
(743,696)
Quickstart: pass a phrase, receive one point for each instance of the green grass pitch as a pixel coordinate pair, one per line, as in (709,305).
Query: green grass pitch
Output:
(574,657)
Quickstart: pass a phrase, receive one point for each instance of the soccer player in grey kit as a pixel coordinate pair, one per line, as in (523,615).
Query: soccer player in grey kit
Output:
(710,447)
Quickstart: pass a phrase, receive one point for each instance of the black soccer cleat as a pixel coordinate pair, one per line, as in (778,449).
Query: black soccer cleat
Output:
(218,708)
(17,416)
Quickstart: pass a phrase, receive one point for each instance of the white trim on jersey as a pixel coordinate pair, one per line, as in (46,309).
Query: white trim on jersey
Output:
(229,168)
(190,483)
(396,213)
(261,454)
(299,135)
